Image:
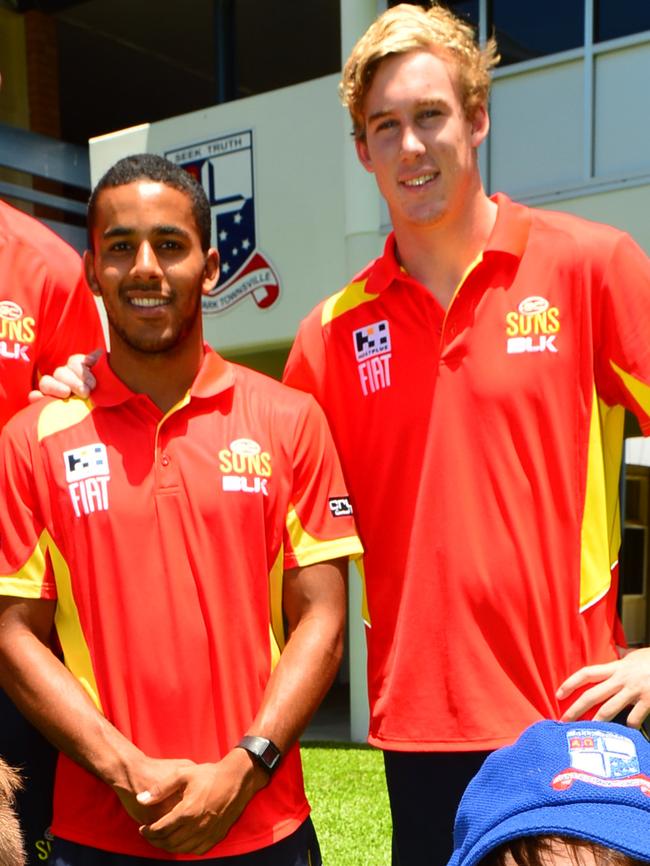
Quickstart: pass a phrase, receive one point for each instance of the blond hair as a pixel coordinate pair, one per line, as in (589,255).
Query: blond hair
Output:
(407,28)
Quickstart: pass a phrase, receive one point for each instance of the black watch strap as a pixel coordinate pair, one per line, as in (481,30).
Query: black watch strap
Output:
(265,752)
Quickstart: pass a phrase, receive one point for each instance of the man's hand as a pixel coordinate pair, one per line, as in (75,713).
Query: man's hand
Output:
(212,797)
(75,378)
(619,684)
(147,774)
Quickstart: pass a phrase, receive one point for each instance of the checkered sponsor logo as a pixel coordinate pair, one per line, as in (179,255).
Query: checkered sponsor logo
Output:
(371,340)
(86,462)
(88,474)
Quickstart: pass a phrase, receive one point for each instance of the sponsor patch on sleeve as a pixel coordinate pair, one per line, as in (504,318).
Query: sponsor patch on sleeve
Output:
(340,506)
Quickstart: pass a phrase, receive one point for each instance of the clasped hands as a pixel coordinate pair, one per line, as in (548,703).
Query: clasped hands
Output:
(186,808)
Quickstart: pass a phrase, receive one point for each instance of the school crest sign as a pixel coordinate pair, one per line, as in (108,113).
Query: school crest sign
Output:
(224,168)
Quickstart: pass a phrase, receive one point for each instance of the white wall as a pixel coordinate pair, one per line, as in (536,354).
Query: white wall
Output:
(627,209)
(537,130)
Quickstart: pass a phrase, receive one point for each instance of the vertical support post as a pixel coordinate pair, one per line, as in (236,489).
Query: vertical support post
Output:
(362,242)
(224,50)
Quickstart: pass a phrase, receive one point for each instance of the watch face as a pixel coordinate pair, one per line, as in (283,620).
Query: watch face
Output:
(263,750)
(270,755)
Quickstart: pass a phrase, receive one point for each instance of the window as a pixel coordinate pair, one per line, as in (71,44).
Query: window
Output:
(527,30)
(615,18)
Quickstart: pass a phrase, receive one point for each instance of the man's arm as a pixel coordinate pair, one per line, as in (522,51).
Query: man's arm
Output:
(55,702)
(215,795)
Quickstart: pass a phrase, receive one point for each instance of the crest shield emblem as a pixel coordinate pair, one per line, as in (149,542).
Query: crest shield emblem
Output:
(603,759)
(224,168)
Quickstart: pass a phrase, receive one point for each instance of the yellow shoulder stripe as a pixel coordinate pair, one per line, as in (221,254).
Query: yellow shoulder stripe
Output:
(348,298)
(639,390)
(61,414)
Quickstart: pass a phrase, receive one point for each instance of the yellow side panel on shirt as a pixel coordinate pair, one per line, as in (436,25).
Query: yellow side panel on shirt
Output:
(365,611)
(68,627)
(601,534)
(28,583)
(347,299)
(276,626)
(62,414)
(639,390)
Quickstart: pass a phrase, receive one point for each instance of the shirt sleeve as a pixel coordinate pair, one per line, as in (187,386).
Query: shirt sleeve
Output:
(319,524)
(623,331)
(26,547)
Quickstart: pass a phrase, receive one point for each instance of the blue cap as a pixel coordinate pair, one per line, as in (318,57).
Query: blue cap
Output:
(589,780)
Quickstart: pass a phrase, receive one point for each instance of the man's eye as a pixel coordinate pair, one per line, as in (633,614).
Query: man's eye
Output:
(170,245)
(386,124)
(119,247)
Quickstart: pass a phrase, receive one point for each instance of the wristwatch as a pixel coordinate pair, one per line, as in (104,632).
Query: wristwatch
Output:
(265,752)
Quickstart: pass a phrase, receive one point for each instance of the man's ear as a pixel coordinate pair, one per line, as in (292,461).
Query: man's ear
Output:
(363,153)
(480,125)
(89,268)
(210,271)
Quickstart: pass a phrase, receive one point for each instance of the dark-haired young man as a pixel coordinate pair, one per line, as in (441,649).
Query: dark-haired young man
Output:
(175,530)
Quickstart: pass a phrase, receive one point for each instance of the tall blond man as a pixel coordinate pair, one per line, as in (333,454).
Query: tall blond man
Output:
(474,377)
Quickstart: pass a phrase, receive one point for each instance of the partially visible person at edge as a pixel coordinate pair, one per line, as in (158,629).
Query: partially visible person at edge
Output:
(475,378)
(176,532)
(564,794)
(46,312)
(12,847)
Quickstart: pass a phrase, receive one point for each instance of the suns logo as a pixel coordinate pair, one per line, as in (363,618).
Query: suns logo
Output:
(245,467)
(532,327)
(17,332)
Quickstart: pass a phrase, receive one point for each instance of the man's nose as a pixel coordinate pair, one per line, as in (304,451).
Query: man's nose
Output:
(411,142)
(146,265)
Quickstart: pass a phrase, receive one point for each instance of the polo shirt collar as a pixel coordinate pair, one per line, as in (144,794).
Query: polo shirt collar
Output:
(215,376)
(509,237)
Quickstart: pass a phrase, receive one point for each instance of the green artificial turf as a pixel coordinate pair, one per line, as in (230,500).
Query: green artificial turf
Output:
(346,788)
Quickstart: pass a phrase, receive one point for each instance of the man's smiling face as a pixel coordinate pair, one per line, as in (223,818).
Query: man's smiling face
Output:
(418,142)
(148,266)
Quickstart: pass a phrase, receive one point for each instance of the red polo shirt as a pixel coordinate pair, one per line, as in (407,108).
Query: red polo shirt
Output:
(481,446)
(164,539)
(46,309)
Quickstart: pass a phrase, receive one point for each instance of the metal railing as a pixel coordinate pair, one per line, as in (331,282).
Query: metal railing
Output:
(39,156)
